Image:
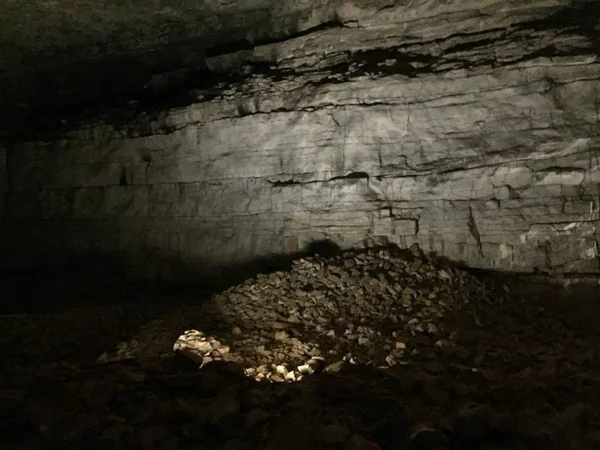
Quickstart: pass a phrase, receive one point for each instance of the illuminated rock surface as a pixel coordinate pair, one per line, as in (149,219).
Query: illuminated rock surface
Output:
(468,128)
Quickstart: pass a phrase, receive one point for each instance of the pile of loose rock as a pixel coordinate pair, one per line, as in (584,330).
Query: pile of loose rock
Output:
(366,350)
(374,307)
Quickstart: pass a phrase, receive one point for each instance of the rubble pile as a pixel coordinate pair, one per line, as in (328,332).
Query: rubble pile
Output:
(375,307)
(365,350)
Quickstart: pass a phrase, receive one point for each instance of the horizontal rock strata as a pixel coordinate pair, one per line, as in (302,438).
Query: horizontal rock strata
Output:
(471,131)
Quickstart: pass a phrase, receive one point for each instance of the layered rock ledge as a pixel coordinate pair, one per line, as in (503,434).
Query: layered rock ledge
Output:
(469,130)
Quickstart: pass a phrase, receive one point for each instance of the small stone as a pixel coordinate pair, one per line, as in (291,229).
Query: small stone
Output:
(290,376)
(294,319)
(416,265)
(200,347)
(305,369)
(314,351)
(281,335)
(236,331)
(431,328)
(415,250)
(444,275)
(335,367)
(317,363)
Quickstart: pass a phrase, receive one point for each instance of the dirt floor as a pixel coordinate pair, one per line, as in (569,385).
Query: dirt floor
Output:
(307,358)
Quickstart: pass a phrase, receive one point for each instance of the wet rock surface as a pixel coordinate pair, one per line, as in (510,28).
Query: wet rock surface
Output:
(364,350)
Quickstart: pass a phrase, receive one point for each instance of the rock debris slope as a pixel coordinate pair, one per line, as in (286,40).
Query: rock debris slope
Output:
(358,308)
(468,128)
(421,356)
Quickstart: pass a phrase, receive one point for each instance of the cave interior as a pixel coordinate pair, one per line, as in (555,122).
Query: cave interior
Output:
(314,224)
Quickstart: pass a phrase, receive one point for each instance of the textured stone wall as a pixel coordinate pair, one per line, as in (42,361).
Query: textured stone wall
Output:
(482,146)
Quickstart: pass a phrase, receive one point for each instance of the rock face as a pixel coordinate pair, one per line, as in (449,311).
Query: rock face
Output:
(471,130)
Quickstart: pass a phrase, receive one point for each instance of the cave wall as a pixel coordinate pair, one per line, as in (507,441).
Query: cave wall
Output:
(473,132)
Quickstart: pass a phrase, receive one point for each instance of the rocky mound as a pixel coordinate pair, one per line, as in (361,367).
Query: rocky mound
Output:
(365,350)
(378,307)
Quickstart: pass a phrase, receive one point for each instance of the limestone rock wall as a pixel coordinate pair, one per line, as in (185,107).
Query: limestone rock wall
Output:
(472,132)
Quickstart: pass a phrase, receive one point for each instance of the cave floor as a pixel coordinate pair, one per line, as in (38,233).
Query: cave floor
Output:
(90,364)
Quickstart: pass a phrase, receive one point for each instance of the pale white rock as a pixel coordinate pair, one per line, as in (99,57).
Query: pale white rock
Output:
(305,369)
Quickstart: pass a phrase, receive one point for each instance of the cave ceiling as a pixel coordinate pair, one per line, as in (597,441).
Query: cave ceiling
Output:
(65,58)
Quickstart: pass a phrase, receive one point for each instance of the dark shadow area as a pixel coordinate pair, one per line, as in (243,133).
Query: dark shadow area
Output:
(96,289)
(44,288)
(65,92)
(583,15)
(71,282)
(345,399)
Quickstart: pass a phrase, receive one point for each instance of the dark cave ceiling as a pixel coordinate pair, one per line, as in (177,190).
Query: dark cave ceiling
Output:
(59,57)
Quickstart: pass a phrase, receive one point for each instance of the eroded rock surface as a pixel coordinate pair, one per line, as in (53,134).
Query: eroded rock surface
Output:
(471,130)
